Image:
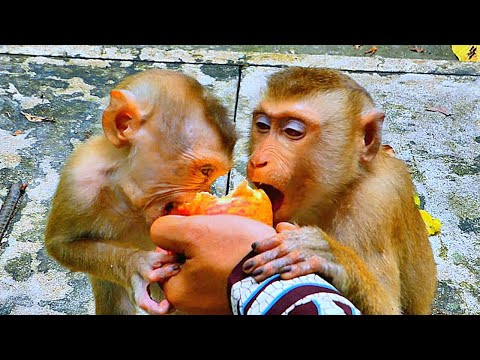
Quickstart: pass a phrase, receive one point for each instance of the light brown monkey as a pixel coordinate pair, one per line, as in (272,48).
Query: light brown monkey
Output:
(165,138)
(315,150)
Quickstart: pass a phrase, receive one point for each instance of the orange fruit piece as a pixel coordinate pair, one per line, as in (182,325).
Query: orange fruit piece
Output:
(243,201)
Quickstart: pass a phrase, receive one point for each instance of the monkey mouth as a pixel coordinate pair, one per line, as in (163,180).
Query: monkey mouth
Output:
(162,211)
(276,196)
(168,208)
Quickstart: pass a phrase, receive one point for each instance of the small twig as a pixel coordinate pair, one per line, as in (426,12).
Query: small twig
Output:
(442,110)
(9,204)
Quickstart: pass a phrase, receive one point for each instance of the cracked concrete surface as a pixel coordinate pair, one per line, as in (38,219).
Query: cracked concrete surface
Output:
(69,86)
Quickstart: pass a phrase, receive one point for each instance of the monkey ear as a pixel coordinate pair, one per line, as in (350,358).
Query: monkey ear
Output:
(371,123)
(121,118)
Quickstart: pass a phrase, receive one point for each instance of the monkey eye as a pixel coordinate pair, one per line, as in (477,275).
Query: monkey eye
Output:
(294,129)
(262,123)
(207,170)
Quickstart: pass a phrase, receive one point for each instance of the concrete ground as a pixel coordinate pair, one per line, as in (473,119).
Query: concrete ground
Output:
(68,86)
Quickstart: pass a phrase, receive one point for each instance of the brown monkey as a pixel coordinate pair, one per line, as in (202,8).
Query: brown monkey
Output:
(165,139)
(315,150)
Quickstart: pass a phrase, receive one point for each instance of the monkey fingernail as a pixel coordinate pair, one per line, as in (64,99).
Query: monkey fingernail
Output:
(248,265)
(285,269)
(257,272)
(254,245)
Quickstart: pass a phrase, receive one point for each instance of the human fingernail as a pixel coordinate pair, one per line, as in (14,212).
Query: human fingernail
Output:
(257,272)
(248,265)
(175,267)
(285,269)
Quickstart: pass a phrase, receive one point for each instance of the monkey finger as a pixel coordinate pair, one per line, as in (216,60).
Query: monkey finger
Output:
(160,258)
(273,267)
(152,307)
(166,304)
(163,273)
(266,244)
(302,268)
(163,251)
(259,260)
(285,226)
(158,249)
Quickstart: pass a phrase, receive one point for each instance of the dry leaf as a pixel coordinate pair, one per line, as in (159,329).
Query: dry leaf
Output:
(357,47)
(466,52)
(416,200)
(433,225)
(372,50)
(444,111)
(17,132)
(417,49)
(34,118)
(389,150)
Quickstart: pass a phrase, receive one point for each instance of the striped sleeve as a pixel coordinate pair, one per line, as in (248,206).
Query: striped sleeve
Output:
(304,295)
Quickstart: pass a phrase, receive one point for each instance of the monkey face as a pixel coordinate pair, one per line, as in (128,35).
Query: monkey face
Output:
(295,152)
(178,166)
(177,139)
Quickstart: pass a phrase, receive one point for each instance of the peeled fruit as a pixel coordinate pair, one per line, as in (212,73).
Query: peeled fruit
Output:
(243,201)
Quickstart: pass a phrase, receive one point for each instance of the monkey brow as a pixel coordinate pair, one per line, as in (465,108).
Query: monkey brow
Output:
(282,115)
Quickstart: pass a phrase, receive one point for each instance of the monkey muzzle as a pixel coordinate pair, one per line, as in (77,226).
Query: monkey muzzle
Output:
(276,196)
(154,212)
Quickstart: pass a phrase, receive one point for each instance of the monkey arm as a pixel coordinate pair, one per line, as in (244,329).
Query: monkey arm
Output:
(108,259)
(129,267)
(308,250)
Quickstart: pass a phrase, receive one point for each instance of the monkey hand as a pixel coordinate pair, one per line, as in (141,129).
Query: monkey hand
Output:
(146,267)
(295,251)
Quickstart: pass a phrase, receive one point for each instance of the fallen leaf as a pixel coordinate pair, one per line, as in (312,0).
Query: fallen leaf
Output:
(417,49)
(372,50)
(17,132)
(433,225)
(34,118)
(466,52)
(416,200)
(357,47)
(8,114)
(444,111)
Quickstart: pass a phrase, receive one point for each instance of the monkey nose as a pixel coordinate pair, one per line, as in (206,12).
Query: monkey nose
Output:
(258,164)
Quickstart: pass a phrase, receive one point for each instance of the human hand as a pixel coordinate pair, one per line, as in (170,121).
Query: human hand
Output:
(212,246)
